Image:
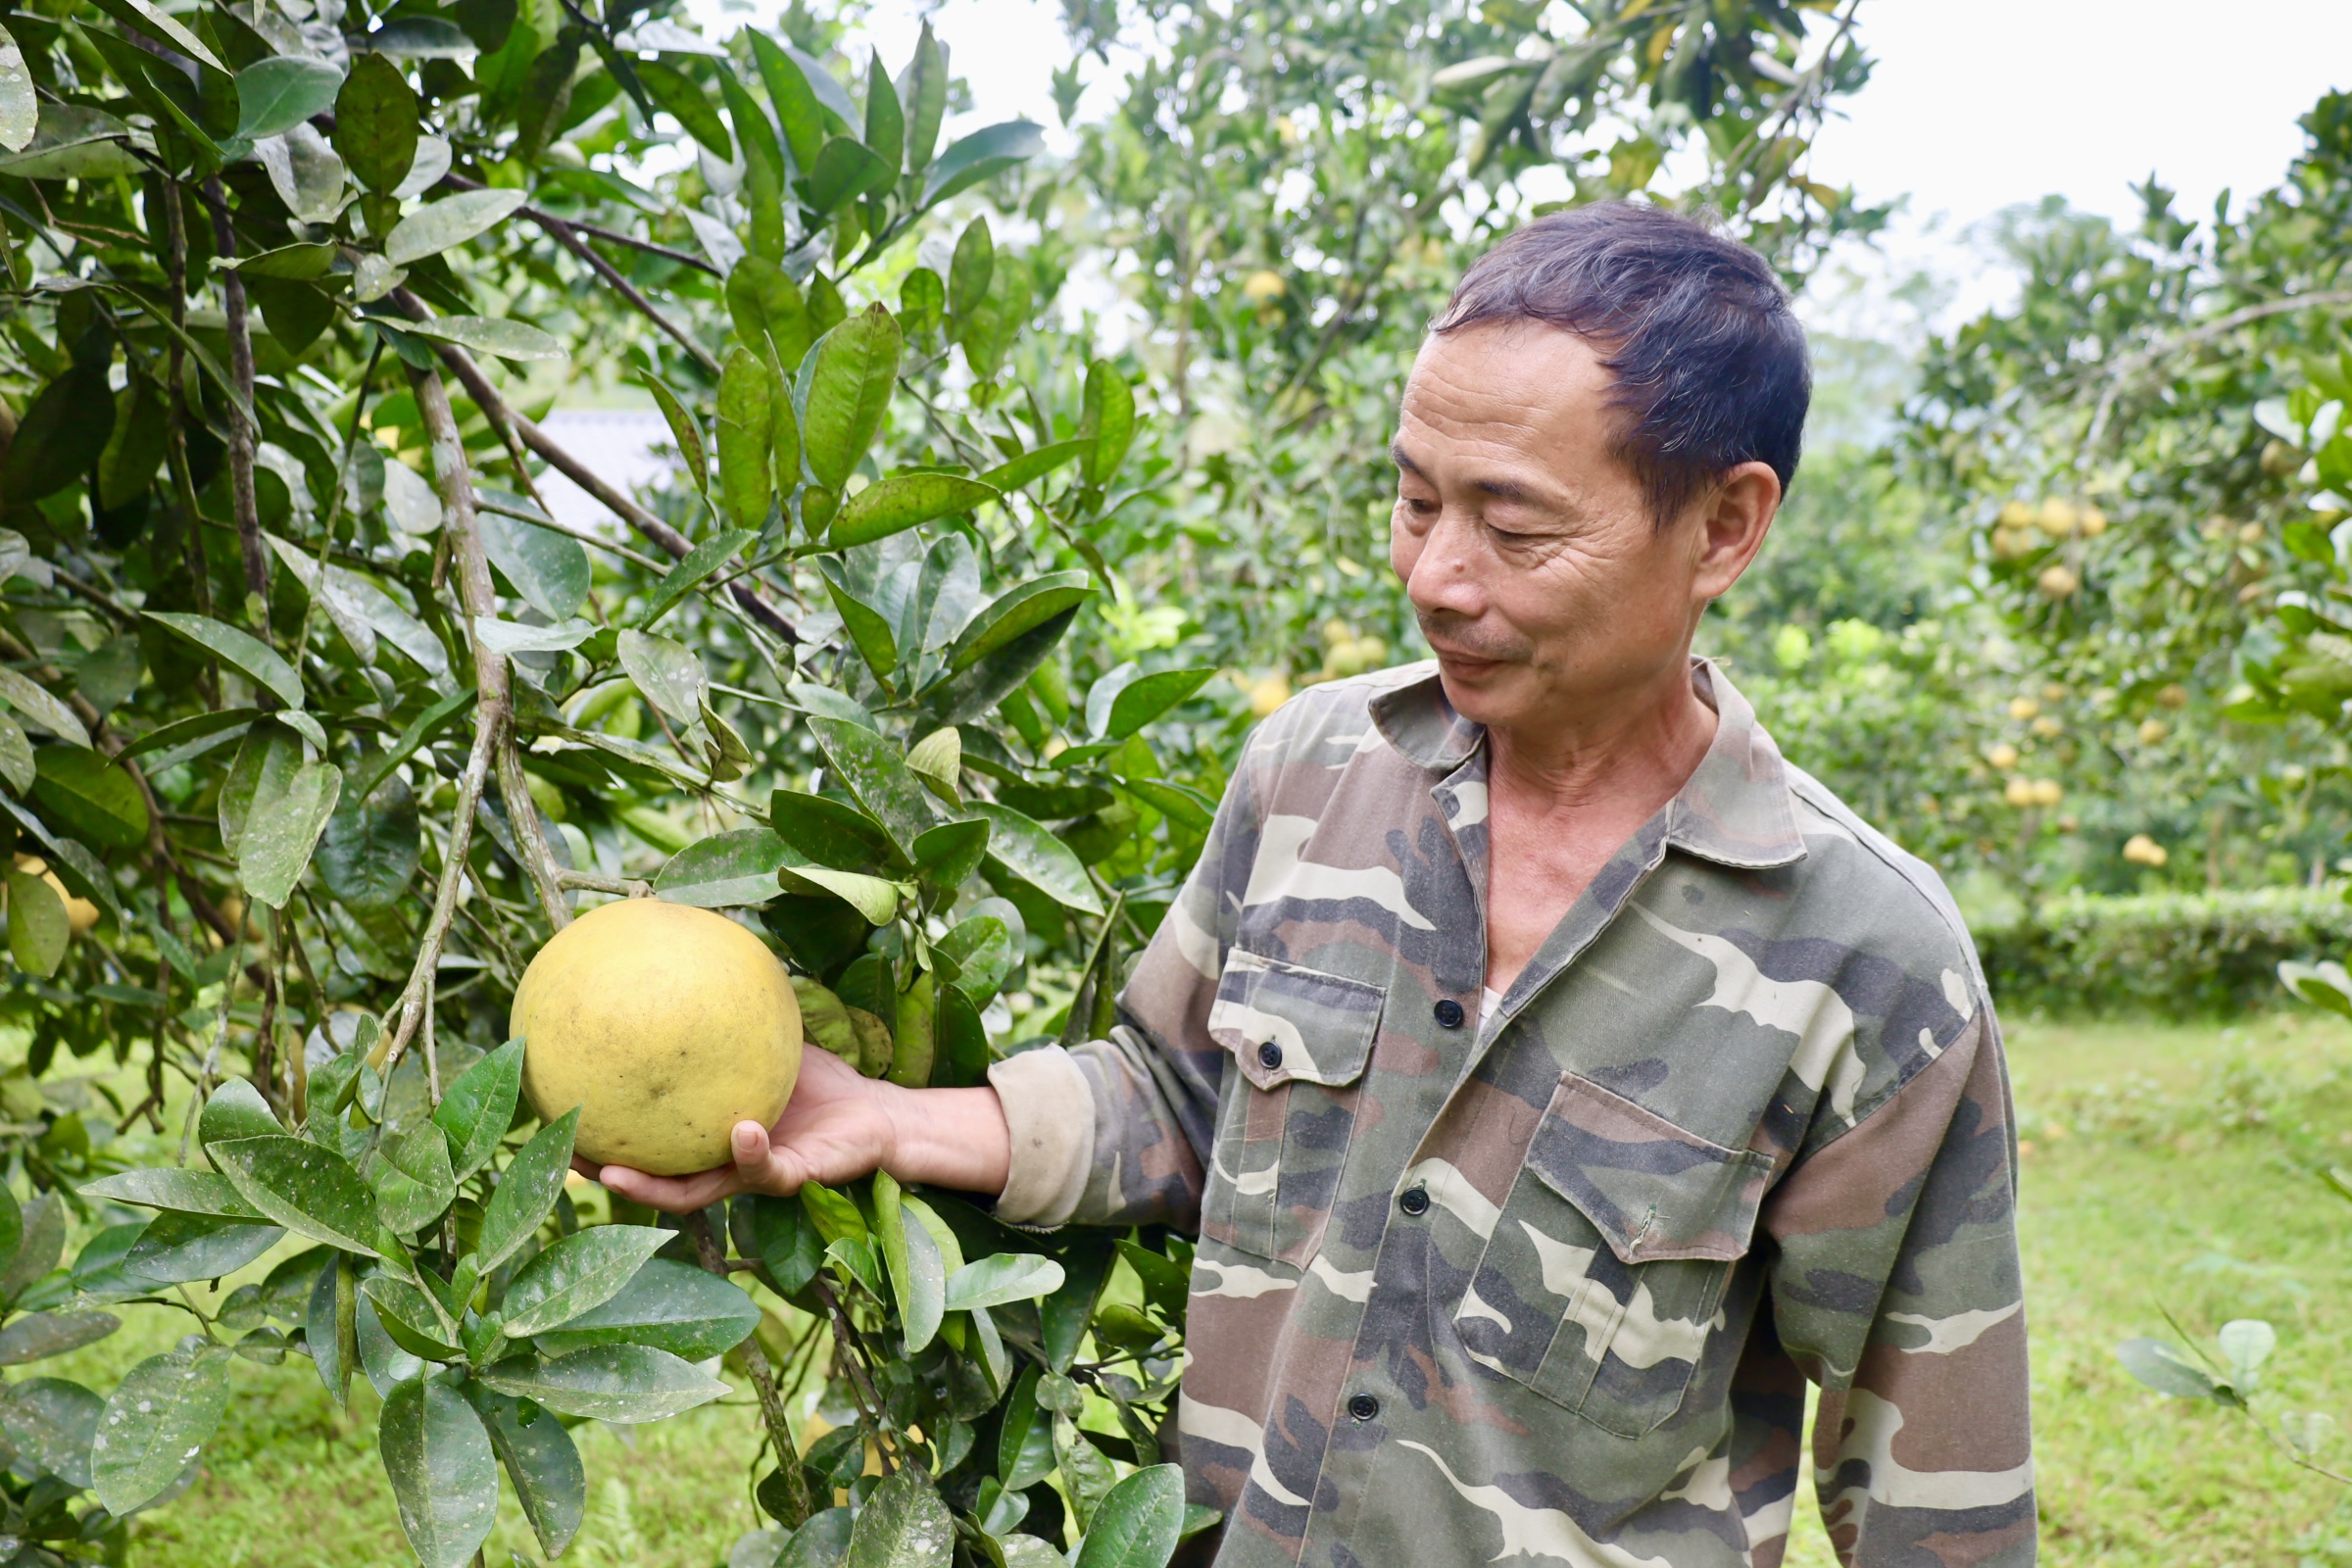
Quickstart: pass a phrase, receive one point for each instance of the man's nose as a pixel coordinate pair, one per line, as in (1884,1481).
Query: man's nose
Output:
(1447,576)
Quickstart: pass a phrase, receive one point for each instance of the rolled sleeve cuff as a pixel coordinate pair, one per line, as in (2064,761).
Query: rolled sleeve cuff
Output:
(1051,1111)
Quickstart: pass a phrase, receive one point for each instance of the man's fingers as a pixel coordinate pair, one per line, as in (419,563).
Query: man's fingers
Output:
(750,1149)
(673,1195)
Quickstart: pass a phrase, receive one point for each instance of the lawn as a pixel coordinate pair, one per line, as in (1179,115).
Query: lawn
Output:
(2165,1167)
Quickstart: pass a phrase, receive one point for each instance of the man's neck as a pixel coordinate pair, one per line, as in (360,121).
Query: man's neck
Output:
(1626,755)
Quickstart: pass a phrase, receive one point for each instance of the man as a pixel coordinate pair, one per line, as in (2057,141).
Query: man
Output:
(1556,1077)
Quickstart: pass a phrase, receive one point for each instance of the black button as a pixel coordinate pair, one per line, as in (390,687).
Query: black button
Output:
(1363,1407)
(1414,1200)
(1269,1056)
(1450,1014)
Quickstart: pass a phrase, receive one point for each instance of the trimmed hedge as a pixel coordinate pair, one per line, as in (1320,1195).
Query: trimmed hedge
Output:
(2177,954)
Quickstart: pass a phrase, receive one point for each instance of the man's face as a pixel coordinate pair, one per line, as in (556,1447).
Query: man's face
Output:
(1528,548)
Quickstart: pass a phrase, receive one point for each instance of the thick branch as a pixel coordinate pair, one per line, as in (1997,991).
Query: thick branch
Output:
(495,710)
(713,1256)
(241,437)
(672,543)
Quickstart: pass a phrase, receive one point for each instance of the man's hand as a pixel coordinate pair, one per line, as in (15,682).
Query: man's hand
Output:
(838,1127)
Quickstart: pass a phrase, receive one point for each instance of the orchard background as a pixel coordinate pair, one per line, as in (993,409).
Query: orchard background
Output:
(1005,485)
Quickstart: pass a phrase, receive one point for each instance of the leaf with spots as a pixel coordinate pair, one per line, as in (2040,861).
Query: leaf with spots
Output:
(155,1424)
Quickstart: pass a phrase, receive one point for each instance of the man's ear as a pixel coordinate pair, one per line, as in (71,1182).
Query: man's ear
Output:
(1733,522)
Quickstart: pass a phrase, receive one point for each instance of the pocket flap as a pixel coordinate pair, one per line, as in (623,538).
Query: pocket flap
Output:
(1653,1190)
(1283,1022)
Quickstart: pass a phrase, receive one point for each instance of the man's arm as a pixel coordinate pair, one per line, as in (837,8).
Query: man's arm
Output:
(1115,1132)
(1898,1290)
(841,1126)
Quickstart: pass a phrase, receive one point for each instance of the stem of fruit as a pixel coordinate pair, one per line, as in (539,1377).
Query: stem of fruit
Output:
(714,1257)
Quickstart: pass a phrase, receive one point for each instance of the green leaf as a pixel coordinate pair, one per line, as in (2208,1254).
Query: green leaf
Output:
(1025,1443)
(1016,613)
(90,798)
(922,1306)
(724,870)
(949,852)
(766,302)
(831,832)
(1107,420)
(1126,700)
(549,569)
(845,170)
(415,1182)
(926,99)
(885,118)
(144,17)
(873,771)
(1031,466)
(1066,1314)
(386,1364)
(280,834)
(849,393)
(670,674)
(40,710)
(309,1190)
(528,1192)
(982,155)
(408,1317)
(778,1233)
(745,391)
(17,765)
(1002,1279)
(183,1192)
(693,568)
(255,659)
(874,897)
(443,1471)
(688,1312)
(478,1108)
(982,954)
(541,1462)
(579,1272)
(904,1523)
(835,1215)
(163,1411)
(1033,854)
(276,94)
(38,924)
(330,1326)
(870,631)
(683,432)
(451,221)
(375,123)
(38,1336)
(491,334)
(687,103)
(2246,1342)
(196,726)
(235,1110)
(1138,1524)
(1085,1470)
(798,111)
(620,1383)
(19,109)
(2166,1369)
(922,303)
(1166,1283)
(176,1249)
(895,505)
(972,269)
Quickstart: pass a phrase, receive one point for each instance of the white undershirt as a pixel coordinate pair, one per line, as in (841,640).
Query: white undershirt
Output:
(1488,1000)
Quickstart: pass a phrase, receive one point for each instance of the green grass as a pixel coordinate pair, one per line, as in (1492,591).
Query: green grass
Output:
(2165,1167)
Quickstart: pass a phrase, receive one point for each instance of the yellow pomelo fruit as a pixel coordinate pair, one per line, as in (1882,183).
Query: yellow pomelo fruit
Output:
(666,1025)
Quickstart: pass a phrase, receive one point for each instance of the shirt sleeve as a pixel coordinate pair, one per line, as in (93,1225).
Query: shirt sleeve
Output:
(1119,1131)
(1897,1287)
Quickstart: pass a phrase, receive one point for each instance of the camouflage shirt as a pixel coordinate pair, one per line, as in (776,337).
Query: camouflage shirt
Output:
(1549,1284)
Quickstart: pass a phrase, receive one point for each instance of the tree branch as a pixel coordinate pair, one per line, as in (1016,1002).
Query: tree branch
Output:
(672,543)
(241,437)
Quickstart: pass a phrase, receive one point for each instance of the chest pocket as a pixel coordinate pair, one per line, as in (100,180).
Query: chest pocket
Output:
(1601,1283)
(1301,1040)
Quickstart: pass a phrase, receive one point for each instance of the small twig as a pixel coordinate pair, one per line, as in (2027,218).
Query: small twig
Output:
(2118,373)
(563,236)
(798,1502)
(612,236)
(624,887)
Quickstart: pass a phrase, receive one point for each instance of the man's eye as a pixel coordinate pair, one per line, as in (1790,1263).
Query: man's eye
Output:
(1419,506)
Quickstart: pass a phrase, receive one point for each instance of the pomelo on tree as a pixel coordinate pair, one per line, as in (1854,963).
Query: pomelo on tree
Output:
(666,1025)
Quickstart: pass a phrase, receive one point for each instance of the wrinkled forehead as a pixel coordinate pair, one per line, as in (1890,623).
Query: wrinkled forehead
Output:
(1508,388)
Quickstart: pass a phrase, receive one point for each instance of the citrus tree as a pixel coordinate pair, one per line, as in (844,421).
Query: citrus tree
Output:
(319,722)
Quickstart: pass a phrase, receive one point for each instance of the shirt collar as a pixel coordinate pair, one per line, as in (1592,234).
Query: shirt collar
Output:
(1735,809)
